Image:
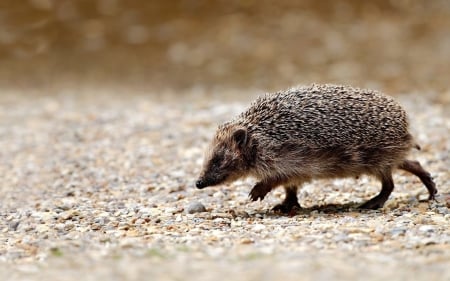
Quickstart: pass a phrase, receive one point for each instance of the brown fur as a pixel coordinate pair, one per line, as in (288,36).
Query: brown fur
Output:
(321,131)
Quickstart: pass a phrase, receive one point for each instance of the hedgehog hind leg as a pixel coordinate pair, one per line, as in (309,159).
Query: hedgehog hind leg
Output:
(387,186)
(415,168)
(290,202)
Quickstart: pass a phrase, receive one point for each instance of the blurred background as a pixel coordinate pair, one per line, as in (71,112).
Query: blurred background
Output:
(395,46)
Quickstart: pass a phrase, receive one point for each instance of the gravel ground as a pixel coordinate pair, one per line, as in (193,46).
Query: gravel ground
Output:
(102,187)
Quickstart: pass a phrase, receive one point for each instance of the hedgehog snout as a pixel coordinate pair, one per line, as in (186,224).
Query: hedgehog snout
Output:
(205,181)
(200,184)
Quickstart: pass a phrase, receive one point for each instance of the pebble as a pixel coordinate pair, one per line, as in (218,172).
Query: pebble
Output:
(397,231)
(258,227)
(195,207)
(13,225)
(443,210)
(427,228)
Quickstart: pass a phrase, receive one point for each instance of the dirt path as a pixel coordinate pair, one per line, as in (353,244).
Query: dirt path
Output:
(99,187)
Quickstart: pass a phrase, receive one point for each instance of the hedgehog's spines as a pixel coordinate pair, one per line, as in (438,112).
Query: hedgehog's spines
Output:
(326,114)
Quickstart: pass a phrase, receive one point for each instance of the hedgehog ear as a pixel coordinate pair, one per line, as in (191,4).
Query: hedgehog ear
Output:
(240,137)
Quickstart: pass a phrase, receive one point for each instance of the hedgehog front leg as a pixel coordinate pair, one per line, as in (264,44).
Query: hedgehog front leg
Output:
(387,186)
(260,190)
(290,202)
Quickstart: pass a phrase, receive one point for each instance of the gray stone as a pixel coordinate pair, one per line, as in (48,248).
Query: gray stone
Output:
(13,225)
(195,207)
(397,231)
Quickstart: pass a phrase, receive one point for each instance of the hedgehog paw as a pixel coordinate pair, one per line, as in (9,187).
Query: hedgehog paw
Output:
(373,204)
(257,193)
(287,207)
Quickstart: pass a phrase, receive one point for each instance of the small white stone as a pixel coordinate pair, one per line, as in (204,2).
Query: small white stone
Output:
(258,227)
(426,228)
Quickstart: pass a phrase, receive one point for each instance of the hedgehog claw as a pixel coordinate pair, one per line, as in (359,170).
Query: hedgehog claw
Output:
(258,192)
(373,204)
(432,196)
(286,207)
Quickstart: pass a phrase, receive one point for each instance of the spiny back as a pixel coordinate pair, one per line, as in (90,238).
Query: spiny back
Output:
(327,116)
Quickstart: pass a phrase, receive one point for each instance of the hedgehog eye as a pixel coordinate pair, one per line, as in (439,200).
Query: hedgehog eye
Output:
(217,159)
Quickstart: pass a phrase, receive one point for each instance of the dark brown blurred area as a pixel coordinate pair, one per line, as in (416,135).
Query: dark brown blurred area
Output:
(396,46)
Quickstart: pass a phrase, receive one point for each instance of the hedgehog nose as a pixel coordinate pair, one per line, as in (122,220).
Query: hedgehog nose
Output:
(200,184)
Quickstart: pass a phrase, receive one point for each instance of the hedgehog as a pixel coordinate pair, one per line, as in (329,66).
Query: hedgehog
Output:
(292,137)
